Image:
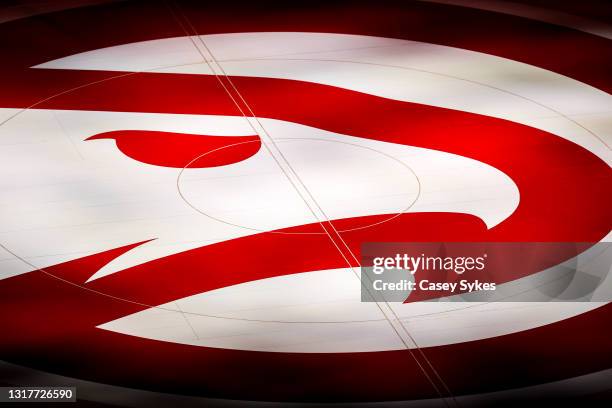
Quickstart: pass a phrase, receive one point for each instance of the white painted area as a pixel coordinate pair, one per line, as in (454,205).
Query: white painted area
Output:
(300,300)
(65,195)
(321,312)
(139,56)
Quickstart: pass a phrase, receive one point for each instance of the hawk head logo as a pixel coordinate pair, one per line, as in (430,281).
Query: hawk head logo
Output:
(186,210)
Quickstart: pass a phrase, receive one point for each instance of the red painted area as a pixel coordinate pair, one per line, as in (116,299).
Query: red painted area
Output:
(181,150)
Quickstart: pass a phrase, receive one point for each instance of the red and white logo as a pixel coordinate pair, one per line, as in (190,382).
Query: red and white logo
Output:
(185,202)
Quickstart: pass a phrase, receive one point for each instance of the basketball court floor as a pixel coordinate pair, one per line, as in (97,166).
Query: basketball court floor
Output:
(187,186)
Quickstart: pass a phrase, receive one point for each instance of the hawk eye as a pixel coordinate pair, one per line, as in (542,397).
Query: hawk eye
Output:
(180,150)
